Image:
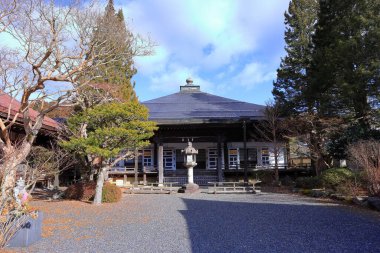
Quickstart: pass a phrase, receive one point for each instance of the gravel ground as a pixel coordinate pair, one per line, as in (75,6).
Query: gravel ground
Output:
(207,223)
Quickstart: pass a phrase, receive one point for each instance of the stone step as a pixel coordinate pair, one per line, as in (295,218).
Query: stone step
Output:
(200,180)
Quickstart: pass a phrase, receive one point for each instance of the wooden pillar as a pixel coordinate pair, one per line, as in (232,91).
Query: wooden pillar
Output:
(245,152)
(160,165)
(155,155)
(136,168)
(226,161)
(219,163)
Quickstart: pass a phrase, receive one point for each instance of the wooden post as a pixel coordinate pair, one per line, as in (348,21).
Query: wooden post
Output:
(245,153)
(219,163)
(136,167)
(160,165)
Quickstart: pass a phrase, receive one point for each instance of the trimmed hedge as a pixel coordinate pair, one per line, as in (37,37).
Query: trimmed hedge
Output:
(111,193)
(86,191)
(81,191)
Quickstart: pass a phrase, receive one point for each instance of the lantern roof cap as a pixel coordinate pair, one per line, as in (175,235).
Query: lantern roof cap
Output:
(190,150)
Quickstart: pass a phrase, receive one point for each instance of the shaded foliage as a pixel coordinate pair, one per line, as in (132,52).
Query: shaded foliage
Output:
(80,191)
(334,177)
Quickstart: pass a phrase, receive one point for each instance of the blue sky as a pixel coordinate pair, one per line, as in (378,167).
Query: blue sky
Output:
(231,48)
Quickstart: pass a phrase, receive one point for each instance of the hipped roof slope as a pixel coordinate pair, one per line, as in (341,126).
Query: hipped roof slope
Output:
(194,106)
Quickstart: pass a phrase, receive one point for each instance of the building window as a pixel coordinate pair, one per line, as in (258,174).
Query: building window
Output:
(265,156)
(212,158)
(233,158)
(169,159)
(147,157)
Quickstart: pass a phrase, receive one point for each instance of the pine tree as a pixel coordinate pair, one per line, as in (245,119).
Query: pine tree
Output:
(292,76)
(114,132)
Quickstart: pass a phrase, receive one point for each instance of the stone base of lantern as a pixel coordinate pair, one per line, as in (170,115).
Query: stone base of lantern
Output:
(189,188)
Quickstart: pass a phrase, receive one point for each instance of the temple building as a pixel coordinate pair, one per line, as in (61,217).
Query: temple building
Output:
(221,129)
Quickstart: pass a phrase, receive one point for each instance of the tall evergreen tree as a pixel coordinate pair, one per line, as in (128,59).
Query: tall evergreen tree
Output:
(334,73)
(112,31)
(292,76)
(291,89)
(345,67)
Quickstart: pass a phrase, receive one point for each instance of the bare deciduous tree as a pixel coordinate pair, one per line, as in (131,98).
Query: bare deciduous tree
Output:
(365,155)
(7,9)
(315,132)
(46,164)
(270,130)
(57,54)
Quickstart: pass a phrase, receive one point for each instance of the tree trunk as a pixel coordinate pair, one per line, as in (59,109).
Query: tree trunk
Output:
(13,157)
(276,173)
(99,186)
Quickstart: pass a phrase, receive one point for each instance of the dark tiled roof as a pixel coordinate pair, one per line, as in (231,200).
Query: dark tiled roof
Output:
(200,107)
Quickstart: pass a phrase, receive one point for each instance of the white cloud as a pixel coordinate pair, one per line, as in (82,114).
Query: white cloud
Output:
(184,28)
(230,48)
(169,81)
(253,74)
(149,65)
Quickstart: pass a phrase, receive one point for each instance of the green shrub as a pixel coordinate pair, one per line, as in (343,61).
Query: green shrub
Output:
(308,182)
(336,177)
(306,192)
(80,191)
(265,176)
(111,193)
(287,181)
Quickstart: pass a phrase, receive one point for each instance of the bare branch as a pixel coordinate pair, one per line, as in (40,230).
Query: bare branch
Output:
(7,10)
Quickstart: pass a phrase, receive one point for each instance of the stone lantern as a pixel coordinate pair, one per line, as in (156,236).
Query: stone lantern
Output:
(190,154)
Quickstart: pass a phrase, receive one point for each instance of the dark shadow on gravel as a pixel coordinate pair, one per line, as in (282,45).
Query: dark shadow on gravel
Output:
(219,226)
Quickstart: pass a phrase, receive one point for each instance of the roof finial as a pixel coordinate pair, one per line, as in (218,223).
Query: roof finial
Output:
(189,87)
(189,81)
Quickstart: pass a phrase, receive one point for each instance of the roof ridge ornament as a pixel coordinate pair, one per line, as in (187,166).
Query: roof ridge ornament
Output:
(189,87)
(189,81)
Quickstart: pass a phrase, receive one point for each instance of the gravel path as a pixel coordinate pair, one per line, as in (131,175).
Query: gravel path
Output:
(207,223)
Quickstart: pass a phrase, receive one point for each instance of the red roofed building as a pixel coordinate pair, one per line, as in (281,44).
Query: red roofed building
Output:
(9,108)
